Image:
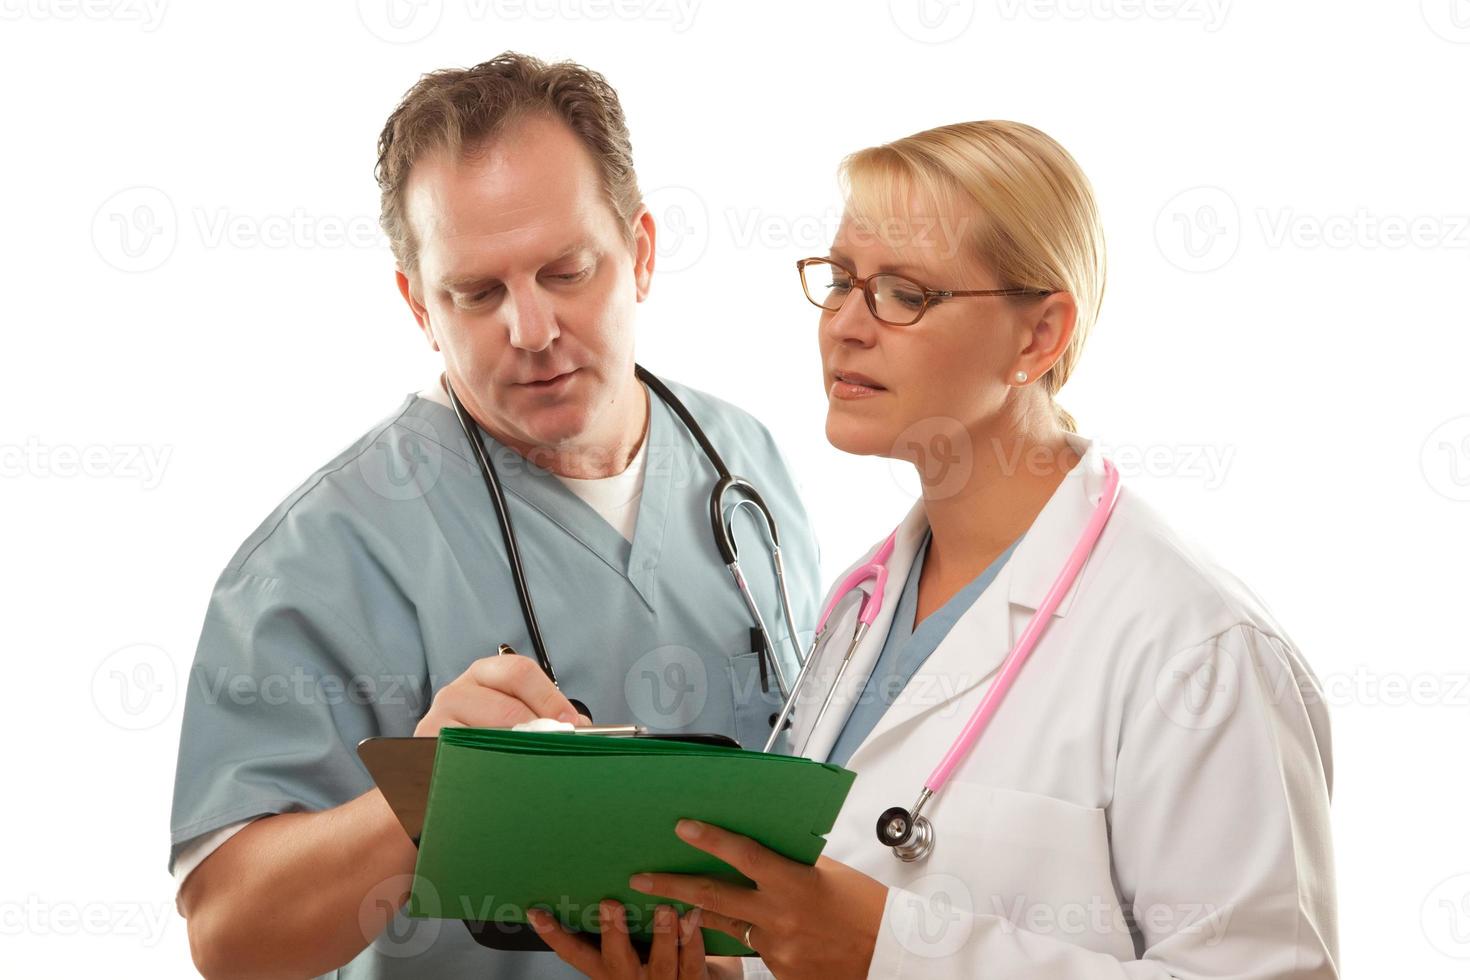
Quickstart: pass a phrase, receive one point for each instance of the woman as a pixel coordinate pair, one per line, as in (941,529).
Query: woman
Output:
(1150,799)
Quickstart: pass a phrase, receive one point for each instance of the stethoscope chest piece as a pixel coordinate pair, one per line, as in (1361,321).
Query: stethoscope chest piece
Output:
(908,833)
(911,839)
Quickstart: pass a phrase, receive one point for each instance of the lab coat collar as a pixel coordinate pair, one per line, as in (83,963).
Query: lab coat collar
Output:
(1054,533)
(984,634)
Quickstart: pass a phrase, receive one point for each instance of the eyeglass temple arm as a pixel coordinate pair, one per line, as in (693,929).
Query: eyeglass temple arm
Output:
(947,293)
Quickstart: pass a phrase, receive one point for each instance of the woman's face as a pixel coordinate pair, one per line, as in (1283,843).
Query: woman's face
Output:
(893,391)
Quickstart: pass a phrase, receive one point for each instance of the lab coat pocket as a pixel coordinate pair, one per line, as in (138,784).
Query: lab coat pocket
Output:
(1037,862)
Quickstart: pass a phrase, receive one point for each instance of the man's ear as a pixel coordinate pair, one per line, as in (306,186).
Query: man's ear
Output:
(644,253)
(420,312)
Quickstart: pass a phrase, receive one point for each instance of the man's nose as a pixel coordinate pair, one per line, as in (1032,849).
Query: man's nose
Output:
(531,318)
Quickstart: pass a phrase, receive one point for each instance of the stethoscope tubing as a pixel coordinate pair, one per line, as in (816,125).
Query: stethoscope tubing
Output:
(507,534)
(988,705)
(720,524)
(918,836)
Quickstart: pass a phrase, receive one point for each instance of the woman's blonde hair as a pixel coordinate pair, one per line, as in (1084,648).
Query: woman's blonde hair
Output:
(1010,196)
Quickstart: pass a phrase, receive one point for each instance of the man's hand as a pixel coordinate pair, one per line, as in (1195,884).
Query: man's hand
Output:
(677,951)
(497,692)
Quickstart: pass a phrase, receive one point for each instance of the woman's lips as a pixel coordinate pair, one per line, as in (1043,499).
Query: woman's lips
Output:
(849,385)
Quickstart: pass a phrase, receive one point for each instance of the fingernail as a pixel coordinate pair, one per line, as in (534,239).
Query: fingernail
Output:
(689,829)
(640,883)
(568,716)
(695,918)
(538,917)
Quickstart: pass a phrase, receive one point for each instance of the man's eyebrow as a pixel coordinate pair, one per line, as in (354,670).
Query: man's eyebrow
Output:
(460,283)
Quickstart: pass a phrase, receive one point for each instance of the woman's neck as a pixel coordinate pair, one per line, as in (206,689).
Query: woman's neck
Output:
(1012,478)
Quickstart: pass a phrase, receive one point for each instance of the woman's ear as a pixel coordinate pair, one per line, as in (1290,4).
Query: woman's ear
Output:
(1048,331)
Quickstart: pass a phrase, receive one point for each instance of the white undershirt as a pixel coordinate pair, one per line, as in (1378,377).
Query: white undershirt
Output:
(615,497)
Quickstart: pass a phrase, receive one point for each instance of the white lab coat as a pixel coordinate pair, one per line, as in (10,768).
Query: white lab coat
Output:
(1149,801)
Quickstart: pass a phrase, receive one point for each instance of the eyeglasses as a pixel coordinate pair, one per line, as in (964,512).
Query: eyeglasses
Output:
(892,299)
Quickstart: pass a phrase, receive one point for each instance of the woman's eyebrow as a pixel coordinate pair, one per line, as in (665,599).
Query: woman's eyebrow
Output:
(901,269)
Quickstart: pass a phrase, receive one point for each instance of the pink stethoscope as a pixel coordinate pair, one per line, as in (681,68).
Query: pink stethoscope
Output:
(908,832)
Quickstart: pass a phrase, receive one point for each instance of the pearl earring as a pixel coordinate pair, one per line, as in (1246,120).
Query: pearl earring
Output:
(1020,377)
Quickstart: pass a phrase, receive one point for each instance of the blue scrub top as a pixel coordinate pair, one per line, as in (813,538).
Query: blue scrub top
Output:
(383,576)
(905,649)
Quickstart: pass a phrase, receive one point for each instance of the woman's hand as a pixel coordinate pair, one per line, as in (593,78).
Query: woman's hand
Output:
(677,952)
(805,921)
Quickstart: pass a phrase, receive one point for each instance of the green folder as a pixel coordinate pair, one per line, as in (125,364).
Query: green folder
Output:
(561,821)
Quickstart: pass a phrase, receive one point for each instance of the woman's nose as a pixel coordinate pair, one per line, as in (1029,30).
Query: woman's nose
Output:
(852,322)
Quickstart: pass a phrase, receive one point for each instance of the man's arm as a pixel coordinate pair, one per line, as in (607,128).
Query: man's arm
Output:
(298,894)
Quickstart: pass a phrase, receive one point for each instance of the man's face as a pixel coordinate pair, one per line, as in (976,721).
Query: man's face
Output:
(528,285)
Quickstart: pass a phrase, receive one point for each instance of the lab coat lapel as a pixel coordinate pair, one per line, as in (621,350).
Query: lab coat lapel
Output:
(839,631)
(983,636)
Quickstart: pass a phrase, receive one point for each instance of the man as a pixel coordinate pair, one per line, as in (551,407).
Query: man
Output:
(372,600)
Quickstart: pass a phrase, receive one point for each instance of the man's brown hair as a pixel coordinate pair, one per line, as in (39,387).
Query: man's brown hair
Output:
(461,110)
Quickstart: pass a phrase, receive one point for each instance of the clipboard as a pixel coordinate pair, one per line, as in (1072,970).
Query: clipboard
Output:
(402,767)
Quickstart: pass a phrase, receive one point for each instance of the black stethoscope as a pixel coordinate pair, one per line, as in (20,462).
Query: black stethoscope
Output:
(719,521)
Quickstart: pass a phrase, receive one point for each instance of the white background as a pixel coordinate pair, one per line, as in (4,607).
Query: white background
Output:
(201,311)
